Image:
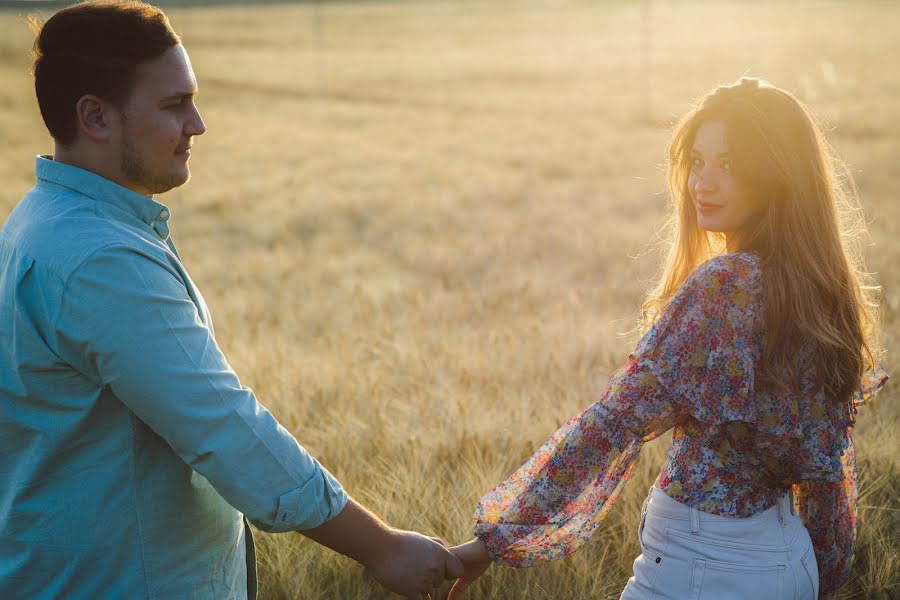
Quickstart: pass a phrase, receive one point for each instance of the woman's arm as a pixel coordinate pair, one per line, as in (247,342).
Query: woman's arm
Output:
(696,359)
(552,504)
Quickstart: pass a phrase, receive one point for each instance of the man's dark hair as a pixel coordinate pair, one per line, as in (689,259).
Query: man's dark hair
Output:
(94,48)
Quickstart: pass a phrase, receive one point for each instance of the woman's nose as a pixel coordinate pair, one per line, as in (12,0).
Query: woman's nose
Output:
(705,180)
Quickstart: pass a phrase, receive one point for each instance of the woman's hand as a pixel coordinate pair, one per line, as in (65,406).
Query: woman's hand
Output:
(475,559)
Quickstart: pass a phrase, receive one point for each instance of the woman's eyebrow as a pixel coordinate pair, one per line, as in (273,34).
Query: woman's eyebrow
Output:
(698,153)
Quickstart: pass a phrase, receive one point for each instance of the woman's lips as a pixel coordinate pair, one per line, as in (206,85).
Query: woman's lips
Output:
(703,207)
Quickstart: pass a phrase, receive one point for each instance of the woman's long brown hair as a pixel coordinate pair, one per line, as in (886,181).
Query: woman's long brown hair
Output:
(817,291)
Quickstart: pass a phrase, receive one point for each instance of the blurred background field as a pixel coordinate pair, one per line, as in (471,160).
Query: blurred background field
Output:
(424,230)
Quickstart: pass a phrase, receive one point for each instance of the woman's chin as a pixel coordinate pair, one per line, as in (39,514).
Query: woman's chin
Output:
(710,227)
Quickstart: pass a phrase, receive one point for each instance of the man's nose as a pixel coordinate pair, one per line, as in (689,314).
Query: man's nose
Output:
(195,124)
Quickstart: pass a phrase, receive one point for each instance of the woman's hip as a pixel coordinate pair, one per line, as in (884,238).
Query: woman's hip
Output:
(691,555)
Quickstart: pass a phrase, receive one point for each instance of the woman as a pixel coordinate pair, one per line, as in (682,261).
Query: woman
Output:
(758,347)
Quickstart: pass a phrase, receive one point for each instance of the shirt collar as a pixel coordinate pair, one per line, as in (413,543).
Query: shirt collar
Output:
(99,188)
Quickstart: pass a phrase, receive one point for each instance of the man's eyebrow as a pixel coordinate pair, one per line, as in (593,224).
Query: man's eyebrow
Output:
(179,96)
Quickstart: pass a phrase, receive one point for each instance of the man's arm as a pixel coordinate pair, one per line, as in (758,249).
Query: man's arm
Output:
(128,322)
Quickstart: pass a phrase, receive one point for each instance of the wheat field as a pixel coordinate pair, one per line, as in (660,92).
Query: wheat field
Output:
(424,230)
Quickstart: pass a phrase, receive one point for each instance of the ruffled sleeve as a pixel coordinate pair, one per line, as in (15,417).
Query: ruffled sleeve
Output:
(554,502)
(704,349)
(870,384)
(828,507)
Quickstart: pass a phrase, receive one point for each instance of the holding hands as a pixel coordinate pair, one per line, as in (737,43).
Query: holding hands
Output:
(404,562)
(412,564)
(418,564)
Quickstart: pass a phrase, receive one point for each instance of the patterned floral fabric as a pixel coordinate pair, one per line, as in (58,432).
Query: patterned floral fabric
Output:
(736,446)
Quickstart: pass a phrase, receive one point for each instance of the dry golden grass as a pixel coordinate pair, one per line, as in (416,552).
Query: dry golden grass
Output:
(420,227)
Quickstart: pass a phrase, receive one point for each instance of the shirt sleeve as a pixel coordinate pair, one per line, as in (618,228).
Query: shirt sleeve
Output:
(694,361)
(553,503)
(829,512)
(705,346)
(128,322)
(829,508)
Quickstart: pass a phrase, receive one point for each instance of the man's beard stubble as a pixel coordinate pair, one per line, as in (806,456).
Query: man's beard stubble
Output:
(135,171)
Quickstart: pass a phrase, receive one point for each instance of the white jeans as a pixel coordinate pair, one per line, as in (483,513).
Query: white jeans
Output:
(687,554)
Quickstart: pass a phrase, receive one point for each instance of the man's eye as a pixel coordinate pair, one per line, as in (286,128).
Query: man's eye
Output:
(726,166)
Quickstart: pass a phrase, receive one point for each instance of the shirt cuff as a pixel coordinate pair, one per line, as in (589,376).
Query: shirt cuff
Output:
(315,502)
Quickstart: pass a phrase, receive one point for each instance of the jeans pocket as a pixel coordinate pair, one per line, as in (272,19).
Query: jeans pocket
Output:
(714,579)
(812,573)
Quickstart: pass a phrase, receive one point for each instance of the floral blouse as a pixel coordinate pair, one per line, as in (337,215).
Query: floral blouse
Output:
(736,447)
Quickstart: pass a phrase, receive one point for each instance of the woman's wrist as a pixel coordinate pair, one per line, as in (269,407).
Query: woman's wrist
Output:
(472,551)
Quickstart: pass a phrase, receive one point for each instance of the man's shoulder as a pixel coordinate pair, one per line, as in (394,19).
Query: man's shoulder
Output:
(61,229)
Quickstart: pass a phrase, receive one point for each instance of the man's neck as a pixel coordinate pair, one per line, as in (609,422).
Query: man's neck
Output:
(83,160)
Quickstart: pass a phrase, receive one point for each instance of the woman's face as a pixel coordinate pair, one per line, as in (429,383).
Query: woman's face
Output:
(721,203)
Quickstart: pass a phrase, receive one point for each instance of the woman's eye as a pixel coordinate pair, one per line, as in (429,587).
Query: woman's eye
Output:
(726,166)
(696,162)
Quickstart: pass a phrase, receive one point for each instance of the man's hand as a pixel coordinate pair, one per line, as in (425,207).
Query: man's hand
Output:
(412,564)
(475,559)
(404,562)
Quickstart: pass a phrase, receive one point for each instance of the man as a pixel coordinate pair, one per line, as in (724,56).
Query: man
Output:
(129,451)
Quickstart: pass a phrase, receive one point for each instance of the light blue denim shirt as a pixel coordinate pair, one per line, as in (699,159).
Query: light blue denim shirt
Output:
(129,450)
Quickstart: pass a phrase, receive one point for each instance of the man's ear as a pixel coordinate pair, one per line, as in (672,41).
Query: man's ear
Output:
(95,118)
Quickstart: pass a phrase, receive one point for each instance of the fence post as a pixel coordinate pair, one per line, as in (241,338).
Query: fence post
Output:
(645,59)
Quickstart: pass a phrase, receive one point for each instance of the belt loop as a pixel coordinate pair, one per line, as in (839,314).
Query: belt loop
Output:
(695,520)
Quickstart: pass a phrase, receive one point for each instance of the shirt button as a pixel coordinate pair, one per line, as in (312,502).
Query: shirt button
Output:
(164,214)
